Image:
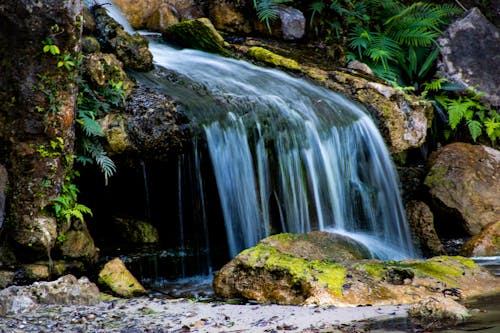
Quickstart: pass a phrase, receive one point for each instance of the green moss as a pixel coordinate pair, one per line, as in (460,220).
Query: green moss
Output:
(436,177)
(268,57)
(374,270)
(197,34)
(443,268)
(319,272)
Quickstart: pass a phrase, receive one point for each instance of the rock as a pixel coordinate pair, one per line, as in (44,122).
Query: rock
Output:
(229,16)
(464,182)
(41,237)
(77,243)
(188,9)
(90,44)
(6,278)
(484,244)
(4,181)
(197,34)
(469,47)
(263,55)
(437,311)
(116,277)
(154,125)
(162,18)
(89,24)
(103,68)
(421,221)
(132,50)
(277,271)
(138,12)
(65,290)
(136,231)
(293,23)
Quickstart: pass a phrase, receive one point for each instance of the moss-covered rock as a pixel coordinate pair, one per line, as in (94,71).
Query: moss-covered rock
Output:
(117,278)
(136,231)
(197,34)
(270,58)
(486,243)
(278,270)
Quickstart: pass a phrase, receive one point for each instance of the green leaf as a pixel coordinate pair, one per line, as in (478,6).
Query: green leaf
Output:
(475,128)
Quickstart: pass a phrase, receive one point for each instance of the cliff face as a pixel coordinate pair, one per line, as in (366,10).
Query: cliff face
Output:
(37,105)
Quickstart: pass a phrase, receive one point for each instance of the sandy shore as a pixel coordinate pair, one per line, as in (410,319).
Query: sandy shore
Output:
(180,315)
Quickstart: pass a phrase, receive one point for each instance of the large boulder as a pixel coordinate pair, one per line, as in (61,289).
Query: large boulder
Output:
(229,16)
(117,278)
(138,12)
(278,270)
(470,48)
(421,221)
(464,183)
(65,290)
(486,243)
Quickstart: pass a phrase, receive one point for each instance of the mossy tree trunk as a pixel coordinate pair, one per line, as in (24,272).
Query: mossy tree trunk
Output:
(37,106)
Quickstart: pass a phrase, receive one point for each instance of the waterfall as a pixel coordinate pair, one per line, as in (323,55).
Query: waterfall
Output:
(287,155)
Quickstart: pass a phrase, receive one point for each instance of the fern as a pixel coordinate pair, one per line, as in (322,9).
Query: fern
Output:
(268,10)
(475,128)
(92,148)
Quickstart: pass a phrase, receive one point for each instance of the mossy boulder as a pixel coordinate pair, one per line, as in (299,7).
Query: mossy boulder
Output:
(486,243)
(281,269)
(463,181)
(197,34)
(270,58)
(136,231)
(117,278)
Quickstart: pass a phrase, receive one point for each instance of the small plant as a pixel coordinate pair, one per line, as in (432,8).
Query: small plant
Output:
(65,206)
(268,10)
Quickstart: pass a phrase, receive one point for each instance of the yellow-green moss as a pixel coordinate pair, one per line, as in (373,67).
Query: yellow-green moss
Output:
(320,272)
(373,270)
(271,58)
(436,177)
(443,268)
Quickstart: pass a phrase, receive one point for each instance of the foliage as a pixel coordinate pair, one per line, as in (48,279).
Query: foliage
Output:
(65,206)
(268,10)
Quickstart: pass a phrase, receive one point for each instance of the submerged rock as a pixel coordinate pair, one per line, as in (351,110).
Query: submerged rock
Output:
(484,244)
(277,270)
(470,50)
(116,277)
(464,182)
(65,290)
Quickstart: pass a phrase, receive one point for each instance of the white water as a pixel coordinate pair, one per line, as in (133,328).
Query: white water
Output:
(283,149)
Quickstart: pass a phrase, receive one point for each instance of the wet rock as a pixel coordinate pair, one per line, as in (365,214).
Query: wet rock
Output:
(4,181)
(270,58)
(77,244)
(229,16)
(65,290)
(89,24)
(132,50)
(90,44)
(138,12)
(103,68)
(486,243)
(437,311)
(188,9)
(279,272)
(197,34)
(162,18)
(464,182)
(421,221)
(136,231)
(117,278)
(469,47)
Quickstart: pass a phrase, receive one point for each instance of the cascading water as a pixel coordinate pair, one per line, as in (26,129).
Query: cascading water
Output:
(283,149)
(287,155)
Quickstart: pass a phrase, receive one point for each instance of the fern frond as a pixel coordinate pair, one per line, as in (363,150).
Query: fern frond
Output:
(475,128)
(89,125)
(434,85)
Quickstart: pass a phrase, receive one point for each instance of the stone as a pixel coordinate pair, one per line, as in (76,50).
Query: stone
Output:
(138,12)
(136,231)
(103,68)
(229,16)
(67,290)
(131,50)
(270,58)
(283,269)
(78,244)
(162,18)
(88,21)
(4,182)
(197,34)
(464,182)
(6,278)
(117,278)
(469,48)
(293,23)
(188,9)
(421,222)
(90,44)
(484,244)
(434,312)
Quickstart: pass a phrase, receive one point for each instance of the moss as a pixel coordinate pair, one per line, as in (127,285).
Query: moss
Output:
(197,34)
(443,268)
(436,177)
(374,270)
(268,57)
(324,273)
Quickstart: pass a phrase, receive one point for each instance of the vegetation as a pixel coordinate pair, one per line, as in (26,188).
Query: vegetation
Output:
(397,41)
